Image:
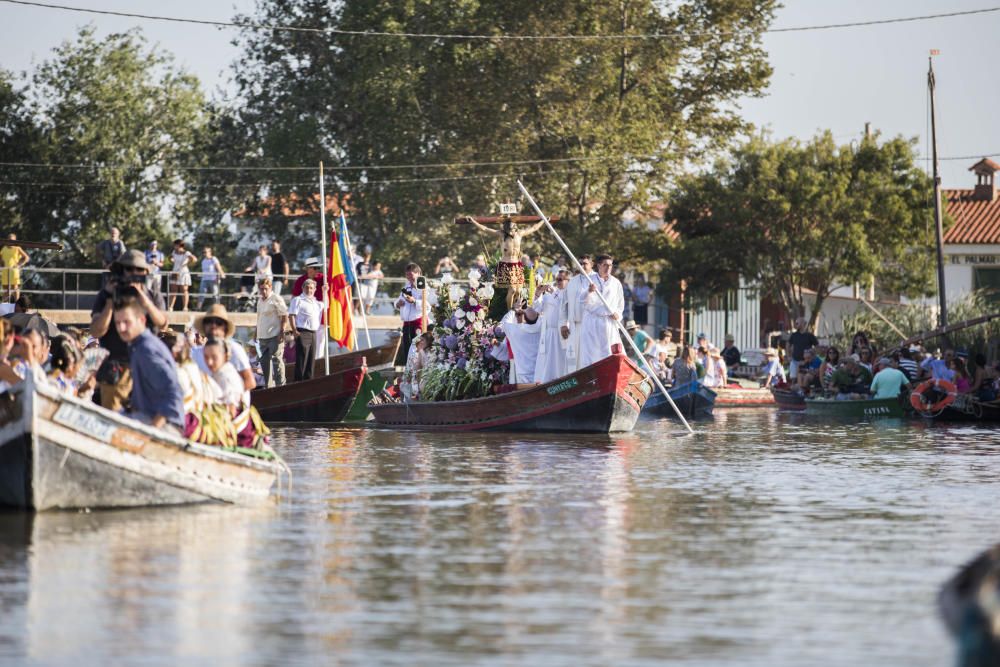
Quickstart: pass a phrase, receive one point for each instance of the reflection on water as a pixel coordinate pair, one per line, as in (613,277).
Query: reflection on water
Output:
(764,539)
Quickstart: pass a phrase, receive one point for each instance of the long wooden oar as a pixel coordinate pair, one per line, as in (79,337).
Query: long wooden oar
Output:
(944,331)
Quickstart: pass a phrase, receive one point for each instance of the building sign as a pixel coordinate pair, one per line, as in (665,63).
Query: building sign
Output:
(976,260)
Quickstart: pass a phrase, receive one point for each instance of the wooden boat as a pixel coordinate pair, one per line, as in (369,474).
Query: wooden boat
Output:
(375,358)
(864,408)
(604,397)
(693,399)
(744,397)
(61,452)
(787,398)
(320,400)
(966,408)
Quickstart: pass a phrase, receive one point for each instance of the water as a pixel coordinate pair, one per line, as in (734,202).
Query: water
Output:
(765,539)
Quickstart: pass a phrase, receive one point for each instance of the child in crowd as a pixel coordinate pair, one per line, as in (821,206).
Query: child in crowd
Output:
(233,395)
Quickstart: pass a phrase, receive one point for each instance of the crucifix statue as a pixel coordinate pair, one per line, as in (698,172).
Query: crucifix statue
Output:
(509,274)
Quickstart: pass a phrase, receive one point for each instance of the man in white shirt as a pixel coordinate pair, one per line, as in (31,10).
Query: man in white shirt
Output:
(599,329)
(573,313)
(305,316)
(215,323)
(410,307)
(272,319)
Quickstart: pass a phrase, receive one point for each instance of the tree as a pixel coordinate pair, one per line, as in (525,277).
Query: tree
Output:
(800,219)
(609,122)
(126,112)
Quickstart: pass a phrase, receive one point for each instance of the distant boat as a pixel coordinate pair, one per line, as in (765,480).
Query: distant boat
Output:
(786,398)
(605,397)
(324,399)
(61,452)
(744,397)
(861,409)
(693,399)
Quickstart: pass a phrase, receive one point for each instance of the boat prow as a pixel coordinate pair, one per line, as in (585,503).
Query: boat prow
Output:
(320,400)
(604,397)
(61,452)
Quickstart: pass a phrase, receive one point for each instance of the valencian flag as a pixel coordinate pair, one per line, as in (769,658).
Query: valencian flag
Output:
(341,276)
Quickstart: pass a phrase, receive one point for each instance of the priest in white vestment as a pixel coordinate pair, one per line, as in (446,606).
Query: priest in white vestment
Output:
(572,317)
(599,329)
(522,330)
(551,361)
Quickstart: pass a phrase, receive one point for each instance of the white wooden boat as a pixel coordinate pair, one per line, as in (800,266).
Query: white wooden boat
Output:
(61,452)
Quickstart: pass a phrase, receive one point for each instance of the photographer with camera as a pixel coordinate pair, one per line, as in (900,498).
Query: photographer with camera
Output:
(129,278)
(409,305)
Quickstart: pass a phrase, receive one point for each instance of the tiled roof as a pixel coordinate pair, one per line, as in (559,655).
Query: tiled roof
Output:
(977,220)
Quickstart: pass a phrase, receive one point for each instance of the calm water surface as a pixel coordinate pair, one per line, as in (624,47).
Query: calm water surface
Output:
(765,539)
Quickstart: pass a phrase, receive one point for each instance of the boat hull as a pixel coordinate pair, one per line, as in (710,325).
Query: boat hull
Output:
(855,409)
(967,409)
(319,400)
(605,397)
(787,399)
(744,398)
(694,400)
(64,453)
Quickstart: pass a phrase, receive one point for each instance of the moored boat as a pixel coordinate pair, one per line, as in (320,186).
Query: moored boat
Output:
(787,398)
(604,397)
(325,399)
(693,399)
(744,397)
(862,408)
(61,452)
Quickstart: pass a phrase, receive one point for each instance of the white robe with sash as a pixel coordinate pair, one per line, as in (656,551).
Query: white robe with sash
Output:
(575,288)
(551,361)
(599,330)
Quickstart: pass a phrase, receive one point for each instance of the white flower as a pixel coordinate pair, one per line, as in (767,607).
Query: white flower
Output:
(474,275)
(481,292)
(472,301)
(477,326)
(481,314)
(473,284)
(471,315)
(446,279)
(489,290)
(459,313)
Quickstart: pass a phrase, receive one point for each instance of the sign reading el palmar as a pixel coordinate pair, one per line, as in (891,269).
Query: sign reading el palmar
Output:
(975,260)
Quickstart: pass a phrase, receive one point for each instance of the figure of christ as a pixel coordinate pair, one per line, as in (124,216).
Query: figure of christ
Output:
(509,274)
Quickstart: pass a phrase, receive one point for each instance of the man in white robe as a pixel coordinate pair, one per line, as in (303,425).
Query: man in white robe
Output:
(572,317)
(551,354)
(522,330)
(599,329)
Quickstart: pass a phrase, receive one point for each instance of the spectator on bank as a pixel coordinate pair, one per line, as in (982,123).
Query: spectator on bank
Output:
(445,267)
(24,304)
(773,370)
(279,267)
(288,356)
(129,277)
(685,366)
(730,353)
(362,267)
(272,322)
(665,344)
(110,249)
(716,373)
(368,285)
(800,340)
(180,274)
(154,258)
(642,294)
(314,273)
(479,264)
(261,265)
(642,340)
(212,274)
(156,397)
(13,258)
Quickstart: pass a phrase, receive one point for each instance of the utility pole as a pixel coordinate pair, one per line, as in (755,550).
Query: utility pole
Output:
(938,214)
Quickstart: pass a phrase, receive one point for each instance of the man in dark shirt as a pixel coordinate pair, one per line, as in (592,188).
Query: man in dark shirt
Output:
(800,340)
(279,267)
(730,353)
(129,277)
(313,272)
(156,397)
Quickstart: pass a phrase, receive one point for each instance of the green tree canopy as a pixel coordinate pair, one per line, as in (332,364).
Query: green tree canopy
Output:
(799,219)
(121,108)
(614,121)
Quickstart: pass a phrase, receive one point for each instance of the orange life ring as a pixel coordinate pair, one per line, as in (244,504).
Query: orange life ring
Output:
(920,404)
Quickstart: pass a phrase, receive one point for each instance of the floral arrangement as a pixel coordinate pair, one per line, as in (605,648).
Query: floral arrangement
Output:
(462,365)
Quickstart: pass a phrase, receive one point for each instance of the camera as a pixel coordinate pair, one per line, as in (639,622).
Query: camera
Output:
(421,282)
(407,291)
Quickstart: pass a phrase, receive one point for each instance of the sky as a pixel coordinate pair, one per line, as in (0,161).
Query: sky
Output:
(833,80)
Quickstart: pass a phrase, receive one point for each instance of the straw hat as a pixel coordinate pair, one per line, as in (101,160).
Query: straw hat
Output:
(714,352)
(217,311)
(630,324)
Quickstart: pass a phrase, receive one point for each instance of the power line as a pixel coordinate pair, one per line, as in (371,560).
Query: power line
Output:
(496,163)
(418,35)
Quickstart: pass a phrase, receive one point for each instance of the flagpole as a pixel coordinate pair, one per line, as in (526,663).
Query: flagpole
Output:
(326,270)
(364,316)
(621,327)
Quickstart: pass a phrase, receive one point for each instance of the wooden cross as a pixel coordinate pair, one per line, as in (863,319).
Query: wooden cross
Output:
(500,219)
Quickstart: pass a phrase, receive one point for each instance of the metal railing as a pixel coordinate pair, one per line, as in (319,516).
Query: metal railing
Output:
(76,289)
